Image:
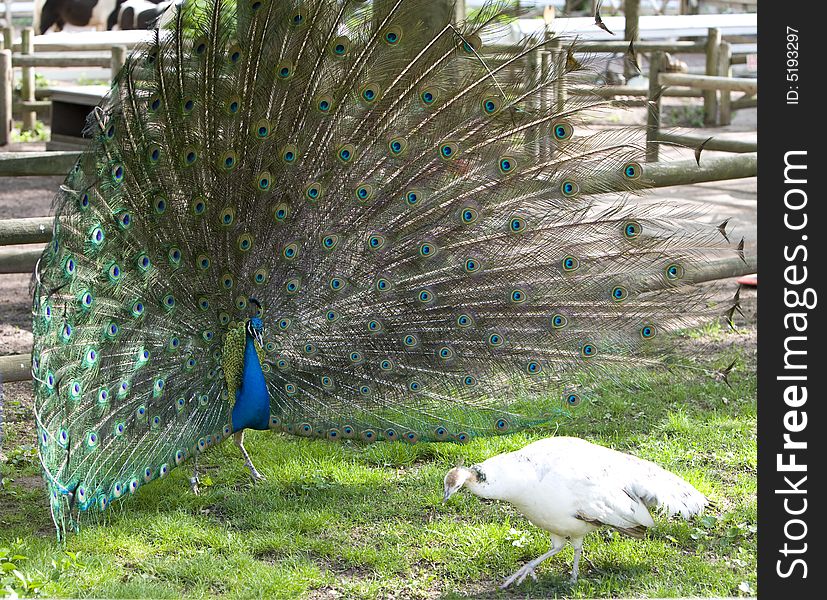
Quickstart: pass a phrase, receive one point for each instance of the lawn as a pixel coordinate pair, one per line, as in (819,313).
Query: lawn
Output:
(339,520)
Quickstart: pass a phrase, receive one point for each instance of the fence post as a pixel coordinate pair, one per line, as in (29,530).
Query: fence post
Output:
(725,70)
(653,113)
(27,83)
(5,96)
(118,60)
(713,43)
(8,37)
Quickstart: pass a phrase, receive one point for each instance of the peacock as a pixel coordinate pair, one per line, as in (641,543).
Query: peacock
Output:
(347,221)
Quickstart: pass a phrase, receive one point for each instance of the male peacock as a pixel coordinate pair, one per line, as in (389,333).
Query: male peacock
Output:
(317,218)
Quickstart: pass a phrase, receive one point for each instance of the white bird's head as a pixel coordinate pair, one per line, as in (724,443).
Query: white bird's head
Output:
(461,476)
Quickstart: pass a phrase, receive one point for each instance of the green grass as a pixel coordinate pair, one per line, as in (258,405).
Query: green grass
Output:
(343,520)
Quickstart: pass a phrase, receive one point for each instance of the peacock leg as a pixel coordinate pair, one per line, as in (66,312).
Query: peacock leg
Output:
(238,438)
(578,552)
(194,481)
(557,544)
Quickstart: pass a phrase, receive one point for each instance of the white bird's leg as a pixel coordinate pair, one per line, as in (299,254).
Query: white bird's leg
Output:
(557,544)
(194,479)
(578,551)
(238,438)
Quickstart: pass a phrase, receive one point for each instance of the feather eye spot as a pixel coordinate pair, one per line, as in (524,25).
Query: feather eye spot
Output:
(445,352)
(154,104)
(290,251)
(469,215)
(374,326)
(337,284)
(572,399)
(465,320)
(507,164)
(364,192)
(410,341)
(414,386)
(501,425)
(495,340)
(619,293)
(188,105)
(329,242)
(263,181)
(570,264)
(491,105)
(647,332)
(331,316)
(355,357)
(632,170)
(448,150)
(562,131)
(392,35)
(280,213)
(517,225)
(632,229)
(413,197)
(534,368)
(472,44)
(397,146)
(588,350)
(284,70)
(674,272)
(227,281)
(426,296)
(292,286)
(559,321)
(345,153)
(284,323)
(313,191)
(518,296)
(376,241)
(427,250)
(569,189)
(428,97)
(289,154)
(471,265)
(370,93)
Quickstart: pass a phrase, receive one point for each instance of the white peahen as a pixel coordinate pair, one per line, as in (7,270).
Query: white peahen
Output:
(571,487)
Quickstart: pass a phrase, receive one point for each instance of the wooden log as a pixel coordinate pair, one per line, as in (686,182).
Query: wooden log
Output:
(715,144)
(745,102)
(28,82)
(15,367)
(713,41)
(681,172)
(14,260)
(679,47)
(706,82)
(31,230)
(612,91)
(725,70)
(653,114)
(8,37)
(61,59)
(19,164)
(6,89)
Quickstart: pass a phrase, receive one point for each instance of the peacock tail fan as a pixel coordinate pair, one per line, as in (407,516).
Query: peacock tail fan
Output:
(372,189)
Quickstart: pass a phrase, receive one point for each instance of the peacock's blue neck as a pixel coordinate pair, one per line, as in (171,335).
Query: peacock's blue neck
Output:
(252,405)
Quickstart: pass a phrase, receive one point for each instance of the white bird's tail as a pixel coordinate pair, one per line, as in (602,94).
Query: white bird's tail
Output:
(658,488)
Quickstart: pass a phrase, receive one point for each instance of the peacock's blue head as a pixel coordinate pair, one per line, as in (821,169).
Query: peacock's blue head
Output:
(255,329)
